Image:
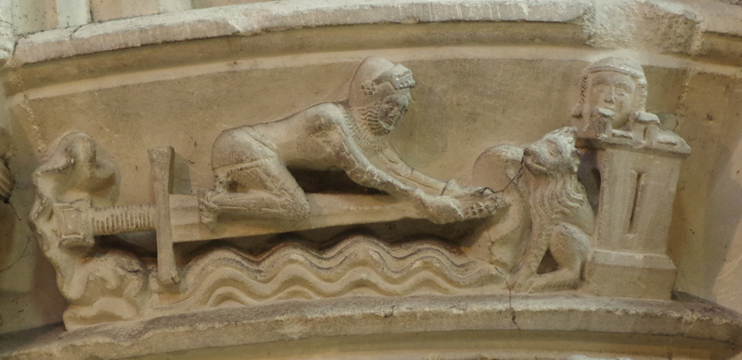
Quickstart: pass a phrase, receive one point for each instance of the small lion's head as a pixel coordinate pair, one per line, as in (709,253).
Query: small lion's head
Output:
(555,153)
(380,94)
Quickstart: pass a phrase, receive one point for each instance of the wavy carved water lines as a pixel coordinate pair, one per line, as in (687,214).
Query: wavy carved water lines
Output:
(357,265)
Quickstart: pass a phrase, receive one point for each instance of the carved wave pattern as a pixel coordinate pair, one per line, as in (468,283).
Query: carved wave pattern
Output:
(359,265)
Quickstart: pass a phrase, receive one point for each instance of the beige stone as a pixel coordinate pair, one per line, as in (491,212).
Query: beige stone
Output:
(78,184)
(167,6)
(103,10)
(495,75)
(138,194)
(546,235)
(352,136)
(32,15)
(636,171)
(545,249)
(212,3)
(72,13)
(422,327)
(7,33)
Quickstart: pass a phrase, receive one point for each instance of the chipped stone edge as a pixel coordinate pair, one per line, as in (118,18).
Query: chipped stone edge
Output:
(255,18)
(348,316)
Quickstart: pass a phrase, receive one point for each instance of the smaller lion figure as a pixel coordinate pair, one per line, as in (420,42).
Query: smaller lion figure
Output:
(561,216)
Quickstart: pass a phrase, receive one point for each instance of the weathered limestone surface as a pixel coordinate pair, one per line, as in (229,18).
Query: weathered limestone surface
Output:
(488,73)
(659,26)
(543,242)
(457,327)
(7,34)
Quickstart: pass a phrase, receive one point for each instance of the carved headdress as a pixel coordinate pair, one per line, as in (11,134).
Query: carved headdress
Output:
(374,92)
(613,64)
(367,84)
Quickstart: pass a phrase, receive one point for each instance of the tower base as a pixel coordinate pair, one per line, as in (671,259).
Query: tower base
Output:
(622,274)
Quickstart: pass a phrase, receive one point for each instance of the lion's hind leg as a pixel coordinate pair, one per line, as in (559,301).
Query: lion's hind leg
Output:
(569,246)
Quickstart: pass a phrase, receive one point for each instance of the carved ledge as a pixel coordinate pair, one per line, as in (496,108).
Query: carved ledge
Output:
(478,325)
(257,18)
(571,24)
(238,253)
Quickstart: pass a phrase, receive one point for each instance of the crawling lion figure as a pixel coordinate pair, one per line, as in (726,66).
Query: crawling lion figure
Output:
(251,163)
(562,219)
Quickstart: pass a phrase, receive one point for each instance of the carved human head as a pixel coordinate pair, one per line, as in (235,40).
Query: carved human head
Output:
(614,83)
(75,167)
(380,93)
(555,153)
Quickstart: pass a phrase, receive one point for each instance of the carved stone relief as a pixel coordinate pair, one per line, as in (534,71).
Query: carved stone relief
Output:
(637,163)
(77,186)
(548,199)
(533,226)
(251,162)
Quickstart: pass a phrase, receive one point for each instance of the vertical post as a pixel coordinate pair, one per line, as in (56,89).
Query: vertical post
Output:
(638,181)
(161,161)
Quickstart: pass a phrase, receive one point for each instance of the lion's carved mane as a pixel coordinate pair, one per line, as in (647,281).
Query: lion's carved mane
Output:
(562,219)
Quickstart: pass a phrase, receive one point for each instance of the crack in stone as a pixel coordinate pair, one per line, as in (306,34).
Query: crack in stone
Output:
(516,177)
(23,253)
(7,201)
(75,31)
(513,315)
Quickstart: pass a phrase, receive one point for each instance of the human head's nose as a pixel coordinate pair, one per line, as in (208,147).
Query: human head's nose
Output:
(609,96)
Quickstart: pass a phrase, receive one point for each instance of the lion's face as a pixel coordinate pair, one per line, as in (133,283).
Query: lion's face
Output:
(554,153)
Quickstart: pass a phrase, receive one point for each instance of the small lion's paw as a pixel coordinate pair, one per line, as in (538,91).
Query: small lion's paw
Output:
(480,204)
(479,210)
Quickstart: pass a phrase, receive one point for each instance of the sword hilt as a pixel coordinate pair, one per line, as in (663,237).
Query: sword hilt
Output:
(122,219)
(78,223)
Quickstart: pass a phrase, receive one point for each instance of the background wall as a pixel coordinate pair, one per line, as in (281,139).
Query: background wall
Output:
(488,72)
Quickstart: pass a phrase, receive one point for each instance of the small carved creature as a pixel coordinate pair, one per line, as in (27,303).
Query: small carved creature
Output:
(562,219)
(100,283)
(251,162)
